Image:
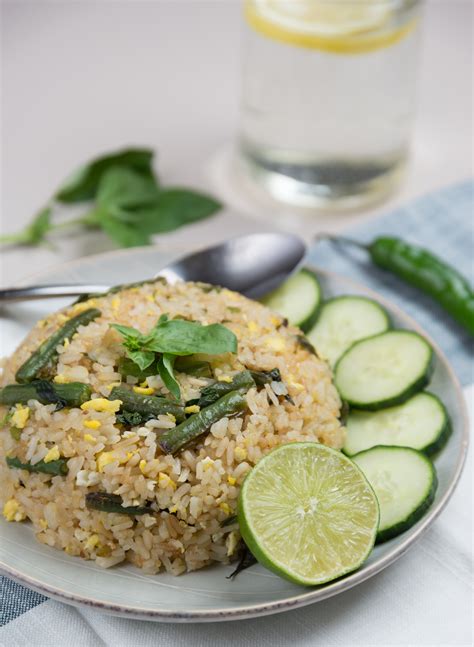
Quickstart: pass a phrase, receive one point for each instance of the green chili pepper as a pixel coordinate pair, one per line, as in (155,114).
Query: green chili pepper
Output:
(176,439)
(424,270)
(56,468)
(46,353)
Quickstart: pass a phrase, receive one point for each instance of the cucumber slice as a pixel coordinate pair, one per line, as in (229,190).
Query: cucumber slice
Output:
(404,481)
(422,423)
(343,321)
(384,370)
(298,299)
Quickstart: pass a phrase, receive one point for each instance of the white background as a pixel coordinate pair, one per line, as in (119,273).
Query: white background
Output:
(82,77)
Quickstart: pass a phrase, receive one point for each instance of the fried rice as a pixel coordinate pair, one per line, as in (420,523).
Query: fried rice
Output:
(190,494)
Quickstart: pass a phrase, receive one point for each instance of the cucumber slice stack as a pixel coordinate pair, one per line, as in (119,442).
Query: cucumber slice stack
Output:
(393,425)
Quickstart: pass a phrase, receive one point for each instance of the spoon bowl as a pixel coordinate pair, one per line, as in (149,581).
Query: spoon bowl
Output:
(253,265)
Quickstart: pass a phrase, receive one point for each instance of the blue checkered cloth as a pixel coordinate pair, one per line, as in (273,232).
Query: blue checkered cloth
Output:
(444,223)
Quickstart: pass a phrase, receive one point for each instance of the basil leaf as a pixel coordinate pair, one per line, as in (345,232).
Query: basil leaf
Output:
(181,337)
(166,371)
(128,332)
(124,234)
(175,208)
(142,358)
(83,183)
(127,189)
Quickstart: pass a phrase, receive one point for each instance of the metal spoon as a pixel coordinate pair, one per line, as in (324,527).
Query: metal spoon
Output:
(253,265)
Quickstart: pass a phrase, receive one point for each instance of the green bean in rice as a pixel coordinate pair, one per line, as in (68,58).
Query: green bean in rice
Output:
(183,498)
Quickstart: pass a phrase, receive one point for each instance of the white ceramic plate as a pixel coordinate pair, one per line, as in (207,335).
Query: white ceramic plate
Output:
(206,595)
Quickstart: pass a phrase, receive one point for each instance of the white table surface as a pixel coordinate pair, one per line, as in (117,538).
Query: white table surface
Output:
(82,77)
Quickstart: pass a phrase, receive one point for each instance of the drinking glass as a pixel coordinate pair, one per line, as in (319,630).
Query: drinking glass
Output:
(328,97)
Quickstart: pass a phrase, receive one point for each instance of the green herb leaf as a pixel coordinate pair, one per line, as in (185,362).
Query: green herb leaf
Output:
(126,188)
(83,183)
(171,338)
(32,234)
(166,370)
(142,358)
(175,208)
(135,344)
(181,337)
(128,332)
(128,367)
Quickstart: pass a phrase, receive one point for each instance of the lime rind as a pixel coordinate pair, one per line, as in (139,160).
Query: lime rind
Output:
(308,513)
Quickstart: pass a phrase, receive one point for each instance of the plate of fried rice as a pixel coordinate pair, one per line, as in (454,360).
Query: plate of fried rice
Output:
(111,498)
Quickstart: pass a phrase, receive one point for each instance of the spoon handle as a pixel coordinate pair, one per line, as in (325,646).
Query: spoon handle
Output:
(34,292)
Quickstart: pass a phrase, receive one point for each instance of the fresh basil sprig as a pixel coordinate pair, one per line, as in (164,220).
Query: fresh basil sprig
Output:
(172,338)
(84,182)
(129,205)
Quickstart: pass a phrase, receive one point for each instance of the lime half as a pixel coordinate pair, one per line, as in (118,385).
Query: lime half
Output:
(308,513)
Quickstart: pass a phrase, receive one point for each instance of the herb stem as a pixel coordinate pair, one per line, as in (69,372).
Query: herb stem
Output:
(74,222)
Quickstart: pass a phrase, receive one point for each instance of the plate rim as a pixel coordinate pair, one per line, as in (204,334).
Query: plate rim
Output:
(300,599)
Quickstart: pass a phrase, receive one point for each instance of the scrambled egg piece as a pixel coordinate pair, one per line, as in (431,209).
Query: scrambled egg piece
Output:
(193,408)
(164,481)
(92,424)
(105,458)
(52,455)
(231,480)
(240,454)
(225,507)
(253,327)
(224,378)
(115,303)
(171,417)
(89,438)
(92,541)
(12,511)
(20,416)
(275,343)
(60,379)
(142,466)
(144,390)
(102,404)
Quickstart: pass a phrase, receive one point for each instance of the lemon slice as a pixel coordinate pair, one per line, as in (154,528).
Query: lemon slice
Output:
(339,26)
(308,513)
